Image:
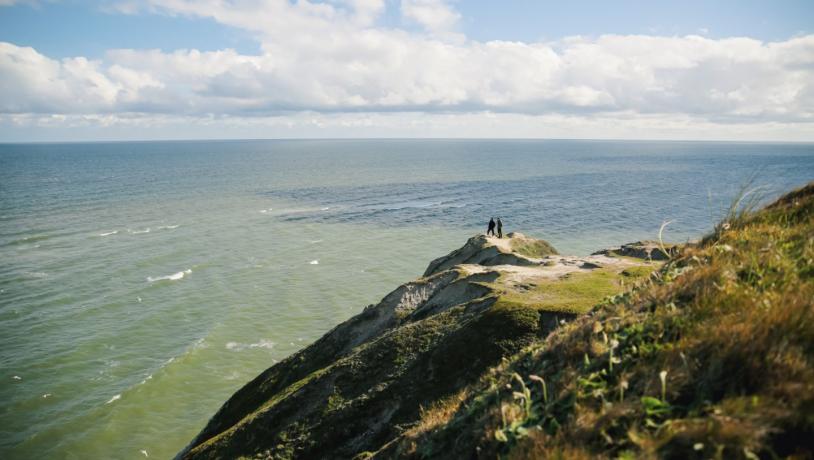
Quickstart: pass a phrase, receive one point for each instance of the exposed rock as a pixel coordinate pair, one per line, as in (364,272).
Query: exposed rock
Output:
(646,250)
(358,386)
(514,249)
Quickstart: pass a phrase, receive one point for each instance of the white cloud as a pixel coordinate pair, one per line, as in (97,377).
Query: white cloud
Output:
(433,15)
(332,58)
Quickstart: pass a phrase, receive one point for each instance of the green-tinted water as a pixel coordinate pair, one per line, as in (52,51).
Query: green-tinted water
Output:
(142,284)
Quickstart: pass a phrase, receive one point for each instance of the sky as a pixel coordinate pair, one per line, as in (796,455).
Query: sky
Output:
(200,69)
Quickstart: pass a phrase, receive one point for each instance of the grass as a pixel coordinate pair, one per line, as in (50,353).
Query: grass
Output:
(533,248)
(710,357)
(638,271)
(573,293)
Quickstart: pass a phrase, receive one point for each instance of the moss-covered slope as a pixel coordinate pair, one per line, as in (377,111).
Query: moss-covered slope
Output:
(367,381)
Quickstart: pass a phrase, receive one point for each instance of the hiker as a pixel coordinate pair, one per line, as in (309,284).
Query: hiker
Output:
(491,227)
(499,228)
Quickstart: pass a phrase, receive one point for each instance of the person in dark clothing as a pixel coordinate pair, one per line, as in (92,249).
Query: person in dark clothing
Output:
(499,228)
(491,227)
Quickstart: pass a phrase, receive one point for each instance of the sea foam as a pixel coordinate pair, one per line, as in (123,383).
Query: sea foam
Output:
(173,277)
(263,343)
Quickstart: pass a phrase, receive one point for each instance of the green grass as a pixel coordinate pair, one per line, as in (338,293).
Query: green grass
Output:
(711,357)
(639,271)
(533,248)
(573,293)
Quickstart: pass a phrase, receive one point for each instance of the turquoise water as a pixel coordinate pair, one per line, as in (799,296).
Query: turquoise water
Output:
(142,283)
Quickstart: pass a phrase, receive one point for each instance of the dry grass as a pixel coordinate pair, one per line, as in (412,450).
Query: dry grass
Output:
(711,358)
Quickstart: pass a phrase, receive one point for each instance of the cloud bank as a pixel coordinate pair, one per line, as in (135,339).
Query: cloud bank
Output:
(331,60)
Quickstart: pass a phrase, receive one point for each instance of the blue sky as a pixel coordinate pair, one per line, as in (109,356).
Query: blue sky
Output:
(369,68)
(83,28)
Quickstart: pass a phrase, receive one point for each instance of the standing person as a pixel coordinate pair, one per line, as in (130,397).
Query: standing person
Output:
(491,227)
(499,228)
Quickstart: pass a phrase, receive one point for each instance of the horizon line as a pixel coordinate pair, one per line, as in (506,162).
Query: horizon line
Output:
(251,139)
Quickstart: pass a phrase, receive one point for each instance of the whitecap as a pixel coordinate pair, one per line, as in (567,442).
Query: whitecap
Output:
(263,343)
(325,208)
(264,211)
(17,377)
(314,262)
(166,227)
(173,277)
(46,395)
(137,232)
(109,233)
(316,241)
(114,398)
(144,452)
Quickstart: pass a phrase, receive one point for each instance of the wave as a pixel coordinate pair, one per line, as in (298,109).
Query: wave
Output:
(263,343)
(167,227)
(264,211)
(314,262)
(109,233)
(114,398)
(28,239)
(173,277)
(137,232)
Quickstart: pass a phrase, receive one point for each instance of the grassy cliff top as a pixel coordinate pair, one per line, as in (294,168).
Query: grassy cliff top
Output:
(369,379)
(507,349)
(712,357)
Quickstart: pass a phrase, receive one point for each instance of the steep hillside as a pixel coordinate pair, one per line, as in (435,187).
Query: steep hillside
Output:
(713,357)
(367,381)
(506,349)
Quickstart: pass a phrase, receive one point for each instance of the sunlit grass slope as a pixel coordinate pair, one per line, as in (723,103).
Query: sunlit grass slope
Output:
(711,357)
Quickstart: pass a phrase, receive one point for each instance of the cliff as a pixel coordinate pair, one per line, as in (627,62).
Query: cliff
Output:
(506,348)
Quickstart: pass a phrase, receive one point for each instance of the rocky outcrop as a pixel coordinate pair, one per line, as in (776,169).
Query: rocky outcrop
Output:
(365,381)
(648,250)
(515,249)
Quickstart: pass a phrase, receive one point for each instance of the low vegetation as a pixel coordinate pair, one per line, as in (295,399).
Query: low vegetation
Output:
(533,248)
(711,357)
(573,292)
(706,354)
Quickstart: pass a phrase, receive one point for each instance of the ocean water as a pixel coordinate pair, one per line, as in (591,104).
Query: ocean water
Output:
(141,284)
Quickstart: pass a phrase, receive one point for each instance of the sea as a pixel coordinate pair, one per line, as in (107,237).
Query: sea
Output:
(142,283)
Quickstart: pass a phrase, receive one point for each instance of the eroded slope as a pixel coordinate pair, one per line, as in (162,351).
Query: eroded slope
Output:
(365,382)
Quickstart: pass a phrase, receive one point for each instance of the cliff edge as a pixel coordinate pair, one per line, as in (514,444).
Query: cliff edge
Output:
(505,348)
(367,380)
